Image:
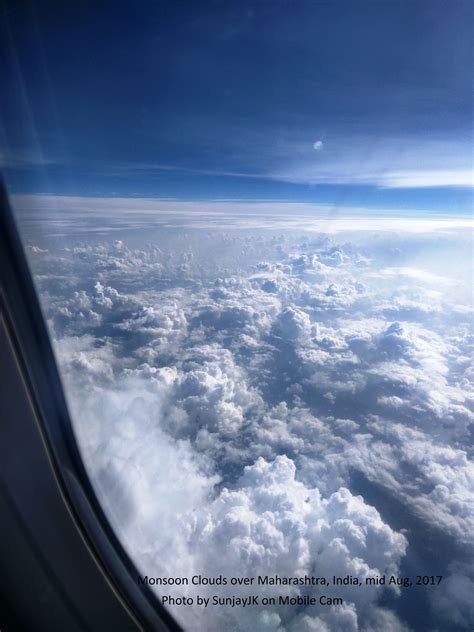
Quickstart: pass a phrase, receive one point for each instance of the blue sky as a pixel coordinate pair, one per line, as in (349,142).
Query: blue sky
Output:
(366,103)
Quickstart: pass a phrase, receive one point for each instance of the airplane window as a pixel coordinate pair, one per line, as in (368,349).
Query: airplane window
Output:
(250,230)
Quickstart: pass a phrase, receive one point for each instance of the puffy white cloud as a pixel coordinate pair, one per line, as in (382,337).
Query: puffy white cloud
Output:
(270,520)
(294,324)
(270,372)
(267,523)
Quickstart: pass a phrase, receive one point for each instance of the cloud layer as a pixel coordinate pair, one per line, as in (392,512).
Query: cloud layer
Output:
(258,401)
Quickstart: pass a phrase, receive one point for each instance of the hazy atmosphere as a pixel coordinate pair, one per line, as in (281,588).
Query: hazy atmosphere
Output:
(253,398)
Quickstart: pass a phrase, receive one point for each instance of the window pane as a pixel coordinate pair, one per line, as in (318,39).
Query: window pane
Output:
(250,227)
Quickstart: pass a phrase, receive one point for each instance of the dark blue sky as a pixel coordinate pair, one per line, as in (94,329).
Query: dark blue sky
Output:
(351,103)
